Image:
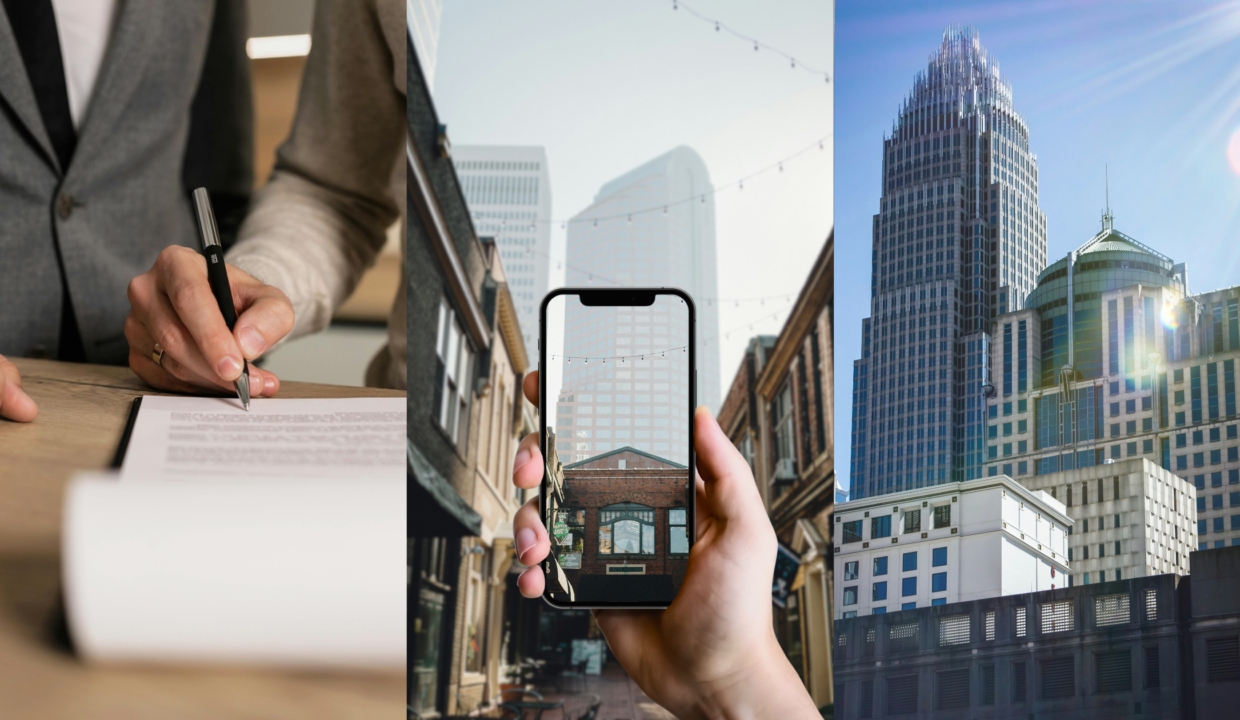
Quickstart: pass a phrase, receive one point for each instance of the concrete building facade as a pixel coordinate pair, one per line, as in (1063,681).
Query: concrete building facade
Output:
(1130,518)
(1164,647)
(959,238)
(945,544)
(508,190)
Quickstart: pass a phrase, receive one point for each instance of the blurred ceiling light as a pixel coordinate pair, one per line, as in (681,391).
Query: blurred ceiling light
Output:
(277,46)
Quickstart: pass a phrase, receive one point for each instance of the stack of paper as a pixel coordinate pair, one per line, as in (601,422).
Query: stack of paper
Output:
(273,536)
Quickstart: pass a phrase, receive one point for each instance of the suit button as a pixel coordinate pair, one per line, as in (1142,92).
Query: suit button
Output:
(65,206)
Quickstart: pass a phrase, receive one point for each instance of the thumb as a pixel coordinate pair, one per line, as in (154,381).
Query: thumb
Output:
(267,318)
(730,490)
(15,404)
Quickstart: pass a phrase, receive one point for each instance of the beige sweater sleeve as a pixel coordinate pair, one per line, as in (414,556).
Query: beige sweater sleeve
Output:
(321,219)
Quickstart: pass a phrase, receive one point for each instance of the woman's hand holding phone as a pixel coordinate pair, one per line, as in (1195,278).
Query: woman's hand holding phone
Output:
(712,653)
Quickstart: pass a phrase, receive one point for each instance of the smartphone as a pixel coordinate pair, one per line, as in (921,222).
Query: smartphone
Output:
(617,390)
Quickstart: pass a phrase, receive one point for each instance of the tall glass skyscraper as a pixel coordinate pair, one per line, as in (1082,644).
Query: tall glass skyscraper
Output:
(508,190)
(958,240)
(654,226)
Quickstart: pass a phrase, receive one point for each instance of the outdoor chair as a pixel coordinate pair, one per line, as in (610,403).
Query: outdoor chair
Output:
(581,707)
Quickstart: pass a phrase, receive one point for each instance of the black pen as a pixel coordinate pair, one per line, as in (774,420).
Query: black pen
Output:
(217,275)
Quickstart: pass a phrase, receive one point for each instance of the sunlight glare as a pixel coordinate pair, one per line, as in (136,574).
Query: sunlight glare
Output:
(1233,151)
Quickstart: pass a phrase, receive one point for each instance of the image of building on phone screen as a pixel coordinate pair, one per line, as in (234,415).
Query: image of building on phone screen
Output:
(617,450)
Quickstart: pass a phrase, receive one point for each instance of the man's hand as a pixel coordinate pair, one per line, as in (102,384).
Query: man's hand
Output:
(15,404)
(172,305)
(713,652)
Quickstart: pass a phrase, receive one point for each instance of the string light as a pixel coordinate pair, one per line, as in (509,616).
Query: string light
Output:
(565,222)
(719,26)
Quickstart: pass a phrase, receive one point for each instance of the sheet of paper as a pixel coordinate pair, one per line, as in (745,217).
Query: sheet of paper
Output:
(188,438)
(225,572)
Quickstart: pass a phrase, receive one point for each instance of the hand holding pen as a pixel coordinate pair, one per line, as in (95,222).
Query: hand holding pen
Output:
(179,339)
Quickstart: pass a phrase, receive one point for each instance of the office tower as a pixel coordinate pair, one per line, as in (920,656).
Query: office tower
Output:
(423,18)
(508,190)
(958,240)
(1113,357)
(949,543)
(625,381)
(655,227)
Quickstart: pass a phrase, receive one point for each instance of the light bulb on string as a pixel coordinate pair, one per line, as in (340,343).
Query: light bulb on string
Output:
(794,63)
(716,27)
(664,209)
(630,218)
(755,47)
(781,167)
(741,184)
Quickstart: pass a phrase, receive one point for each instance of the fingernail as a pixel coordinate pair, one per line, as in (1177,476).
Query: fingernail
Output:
(252,344)
(269,387)
(523,456)
(525,540)
(228,367)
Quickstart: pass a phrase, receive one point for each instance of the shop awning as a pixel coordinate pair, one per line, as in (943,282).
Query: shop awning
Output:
(435,508)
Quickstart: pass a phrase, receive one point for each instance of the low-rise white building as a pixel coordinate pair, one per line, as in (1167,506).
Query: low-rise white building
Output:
(947,543)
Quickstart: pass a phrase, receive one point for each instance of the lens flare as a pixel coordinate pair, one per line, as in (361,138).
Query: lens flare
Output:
(1233,152)
(1169,319)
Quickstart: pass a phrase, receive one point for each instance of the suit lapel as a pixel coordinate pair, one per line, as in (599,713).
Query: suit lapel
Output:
(15,91)
(134,38)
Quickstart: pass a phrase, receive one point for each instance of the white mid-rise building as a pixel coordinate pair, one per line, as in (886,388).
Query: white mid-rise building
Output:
(948,543)
(508,190)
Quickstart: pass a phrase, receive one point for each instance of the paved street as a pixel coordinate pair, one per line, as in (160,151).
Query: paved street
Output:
(622,699)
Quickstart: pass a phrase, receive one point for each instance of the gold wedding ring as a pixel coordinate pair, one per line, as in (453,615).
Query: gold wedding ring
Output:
(158,355)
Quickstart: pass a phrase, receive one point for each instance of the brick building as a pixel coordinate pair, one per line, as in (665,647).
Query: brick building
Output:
(466,416)
(779,413)
(621,530)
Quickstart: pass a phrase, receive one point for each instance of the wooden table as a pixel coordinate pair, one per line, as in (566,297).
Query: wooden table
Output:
(82,411)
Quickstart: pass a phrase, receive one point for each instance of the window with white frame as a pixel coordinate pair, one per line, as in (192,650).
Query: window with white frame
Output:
(781,417)
(454,361)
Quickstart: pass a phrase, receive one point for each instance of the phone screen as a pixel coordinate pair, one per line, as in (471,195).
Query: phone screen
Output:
(617,398)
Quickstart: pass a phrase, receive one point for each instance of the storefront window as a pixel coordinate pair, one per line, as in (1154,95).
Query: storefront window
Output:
(626,528)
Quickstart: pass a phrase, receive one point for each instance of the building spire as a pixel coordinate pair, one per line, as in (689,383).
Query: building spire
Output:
(1108,221)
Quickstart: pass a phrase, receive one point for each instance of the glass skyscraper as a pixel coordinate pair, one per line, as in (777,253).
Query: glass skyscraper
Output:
(654,226)
(508,190)
(958,240)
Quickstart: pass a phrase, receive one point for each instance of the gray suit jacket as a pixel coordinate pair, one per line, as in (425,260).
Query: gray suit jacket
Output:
(123,198)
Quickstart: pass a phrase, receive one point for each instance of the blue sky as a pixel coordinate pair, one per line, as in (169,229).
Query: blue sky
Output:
(1151,89)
